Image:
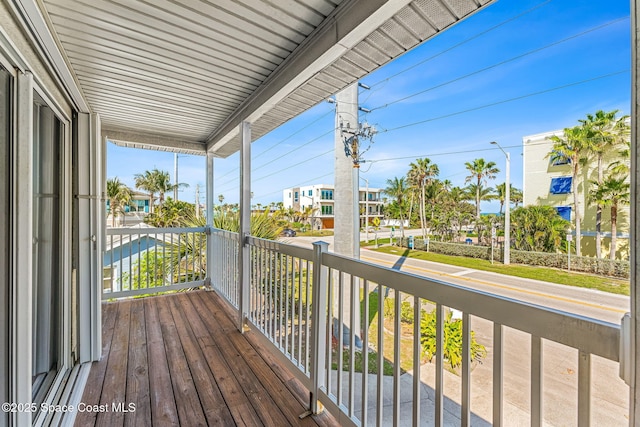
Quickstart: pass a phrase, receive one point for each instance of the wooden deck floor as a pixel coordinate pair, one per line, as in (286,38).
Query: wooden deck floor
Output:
(179,360)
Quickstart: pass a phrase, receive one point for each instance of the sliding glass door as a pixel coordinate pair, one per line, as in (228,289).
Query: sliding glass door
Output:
(5,238)
(47,249)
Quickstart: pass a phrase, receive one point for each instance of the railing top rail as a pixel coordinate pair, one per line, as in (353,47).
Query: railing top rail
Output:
(153,230)
(587,334)
(285,248)
(226,233)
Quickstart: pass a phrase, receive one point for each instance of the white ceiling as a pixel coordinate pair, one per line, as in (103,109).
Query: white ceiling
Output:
(181,75)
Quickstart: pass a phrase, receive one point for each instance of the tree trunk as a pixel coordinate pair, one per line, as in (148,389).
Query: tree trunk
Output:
(576,203)
(614,231)
(599,212)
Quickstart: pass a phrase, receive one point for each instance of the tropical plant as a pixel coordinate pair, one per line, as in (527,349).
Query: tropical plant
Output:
(480,172)
(452,348)
(515,195)
(603,132)
(119,196)
(172,213)
(612,192)
(397,189)
(538,228)
(421,172)
(148,182)
(570,147)
(164,185)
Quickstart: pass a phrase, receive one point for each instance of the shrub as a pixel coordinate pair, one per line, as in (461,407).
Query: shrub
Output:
(452,336)
(607,267)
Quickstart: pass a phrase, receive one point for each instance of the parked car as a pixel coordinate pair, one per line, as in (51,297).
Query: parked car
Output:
(288,232)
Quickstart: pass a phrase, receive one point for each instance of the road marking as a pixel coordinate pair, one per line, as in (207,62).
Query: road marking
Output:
(462,273)
(505,287)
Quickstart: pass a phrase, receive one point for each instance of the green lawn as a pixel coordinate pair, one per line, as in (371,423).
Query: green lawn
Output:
(607,284)
(315,233)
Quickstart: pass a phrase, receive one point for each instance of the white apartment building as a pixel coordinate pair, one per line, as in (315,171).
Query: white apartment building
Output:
(321,198)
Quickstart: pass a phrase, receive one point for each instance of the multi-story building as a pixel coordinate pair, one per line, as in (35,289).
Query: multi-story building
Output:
(320,197)
(546,182)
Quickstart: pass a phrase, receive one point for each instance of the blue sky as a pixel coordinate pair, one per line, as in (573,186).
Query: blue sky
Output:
(549,64)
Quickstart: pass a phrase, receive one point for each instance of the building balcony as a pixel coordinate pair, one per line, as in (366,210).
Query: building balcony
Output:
(183,358)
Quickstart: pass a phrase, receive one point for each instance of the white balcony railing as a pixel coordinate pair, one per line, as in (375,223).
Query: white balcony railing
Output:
(140,261)
(321,310)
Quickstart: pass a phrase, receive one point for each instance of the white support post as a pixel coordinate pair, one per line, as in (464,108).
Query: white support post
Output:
(634,400)
(319,322)
(22,241)
(245,222)
(98,230)
(209,215)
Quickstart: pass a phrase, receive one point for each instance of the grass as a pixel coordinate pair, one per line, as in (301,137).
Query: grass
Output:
(581,280)
(372,242)
(372,359)
(315,233)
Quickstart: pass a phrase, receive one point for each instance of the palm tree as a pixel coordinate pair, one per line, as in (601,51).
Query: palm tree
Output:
(603,132)
(119,195)
(397,189)
(481,171)
(515,195)
(164,185)
(613,192)
(148,182)
(571,147)
(422,171)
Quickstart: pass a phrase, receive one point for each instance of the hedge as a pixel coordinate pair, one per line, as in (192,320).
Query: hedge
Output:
(606,267)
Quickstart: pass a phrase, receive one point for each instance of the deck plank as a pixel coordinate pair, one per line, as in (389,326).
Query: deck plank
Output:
(95,382)
(163,405)
(286,401)
(259,397)
(181,360)
(189,408)
(215,409)
(115,380)
(234,396)
(137,372)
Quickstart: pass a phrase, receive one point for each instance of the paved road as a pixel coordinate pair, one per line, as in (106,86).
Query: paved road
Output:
(609,393)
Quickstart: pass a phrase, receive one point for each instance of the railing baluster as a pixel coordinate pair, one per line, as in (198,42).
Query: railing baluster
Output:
(466,370)
(300,274)
(307,317)
(353,300)
(330,329)
(380,376)
(417,353)
(397,332)
(365,352)
(340,335)
(584,389)
(497,374)
(287,318)
(536,381)
(439,385)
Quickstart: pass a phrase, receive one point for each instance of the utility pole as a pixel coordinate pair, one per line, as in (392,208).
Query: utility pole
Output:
(175,176)
(347,213)
(197,200)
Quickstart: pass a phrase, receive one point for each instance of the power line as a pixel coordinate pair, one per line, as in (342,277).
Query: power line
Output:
(294,134)
(295,149)
(293,166)
(506,61)
(464,42)
(504,101)
(300,184)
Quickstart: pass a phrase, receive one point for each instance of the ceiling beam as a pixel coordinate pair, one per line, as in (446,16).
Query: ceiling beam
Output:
(350,23)
(127,138)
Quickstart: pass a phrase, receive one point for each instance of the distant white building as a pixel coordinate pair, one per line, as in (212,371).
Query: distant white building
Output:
(321,198)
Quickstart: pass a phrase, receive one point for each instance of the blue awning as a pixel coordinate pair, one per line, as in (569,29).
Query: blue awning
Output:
(560,185)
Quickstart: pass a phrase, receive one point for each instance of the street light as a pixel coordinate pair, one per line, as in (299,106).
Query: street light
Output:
(366,207)
(507,212)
